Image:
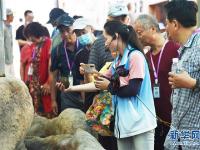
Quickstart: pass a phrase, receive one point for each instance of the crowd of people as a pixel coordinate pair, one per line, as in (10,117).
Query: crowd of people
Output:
(156,107)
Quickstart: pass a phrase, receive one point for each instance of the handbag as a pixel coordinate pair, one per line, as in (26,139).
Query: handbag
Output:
(100,116)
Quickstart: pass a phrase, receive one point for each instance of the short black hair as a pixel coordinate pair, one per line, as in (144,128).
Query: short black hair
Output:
(184,11)
(120,18)
(27,12)
(35,29)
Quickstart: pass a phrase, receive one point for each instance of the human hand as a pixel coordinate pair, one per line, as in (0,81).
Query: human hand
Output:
(45,89)
(68,89)
(60,86)
(81,69)
(54,107)
(102,83)
(29,43)
(181,80)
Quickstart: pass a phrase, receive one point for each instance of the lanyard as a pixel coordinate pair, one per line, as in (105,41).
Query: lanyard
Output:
(67,57)
(39,46)
(158,65)
(34,53)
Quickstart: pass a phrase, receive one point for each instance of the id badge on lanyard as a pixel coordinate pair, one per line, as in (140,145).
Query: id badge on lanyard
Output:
(156,86)
(70,78)
(156,89)
(30,70)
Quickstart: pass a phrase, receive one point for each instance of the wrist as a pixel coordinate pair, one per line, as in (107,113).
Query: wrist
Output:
(110,89)
(193,83)
(197,84)
(107,86)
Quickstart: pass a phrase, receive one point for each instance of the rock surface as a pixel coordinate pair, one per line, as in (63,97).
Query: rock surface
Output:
(68,131)
(16,112)
(81,140)
(66,123)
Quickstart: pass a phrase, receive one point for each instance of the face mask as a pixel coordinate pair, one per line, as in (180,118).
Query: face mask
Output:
(85,39)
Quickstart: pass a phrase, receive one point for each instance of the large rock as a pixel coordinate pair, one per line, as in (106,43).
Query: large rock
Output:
(66,123)
(54,142)
(16,112)
(66,132)
(81,140)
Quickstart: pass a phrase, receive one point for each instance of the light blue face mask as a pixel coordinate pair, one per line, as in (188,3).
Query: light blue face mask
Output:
(85,39)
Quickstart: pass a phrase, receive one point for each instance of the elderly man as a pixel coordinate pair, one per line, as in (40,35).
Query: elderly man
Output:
(160,60)
(185,80)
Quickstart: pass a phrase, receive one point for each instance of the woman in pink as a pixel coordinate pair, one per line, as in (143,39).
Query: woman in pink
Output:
(38,71)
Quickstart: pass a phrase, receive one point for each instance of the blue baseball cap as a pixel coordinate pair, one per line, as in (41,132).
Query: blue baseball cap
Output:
(65,20)
(54,14)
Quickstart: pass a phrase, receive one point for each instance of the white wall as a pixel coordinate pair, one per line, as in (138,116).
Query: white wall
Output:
(95,10)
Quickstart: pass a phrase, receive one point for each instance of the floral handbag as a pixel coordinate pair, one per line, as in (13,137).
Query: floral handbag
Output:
(100,116)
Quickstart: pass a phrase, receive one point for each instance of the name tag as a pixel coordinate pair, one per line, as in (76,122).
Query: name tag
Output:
(156,91)
(30,70)
(70,78)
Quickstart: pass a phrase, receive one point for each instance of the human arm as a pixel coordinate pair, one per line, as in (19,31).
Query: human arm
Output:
(25,58)
(135,77)
(82,93)
(132,89)
(53,91)
(46,53)
(23,42)
(88,87)
(22,70)
(20,36)
(52,82)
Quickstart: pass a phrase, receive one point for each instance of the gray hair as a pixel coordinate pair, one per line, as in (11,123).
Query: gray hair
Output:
(147,22)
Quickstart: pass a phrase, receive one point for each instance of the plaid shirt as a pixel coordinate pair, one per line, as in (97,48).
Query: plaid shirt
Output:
(186,102)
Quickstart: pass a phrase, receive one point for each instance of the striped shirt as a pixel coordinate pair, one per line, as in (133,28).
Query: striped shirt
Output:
(186,102)
(98,54)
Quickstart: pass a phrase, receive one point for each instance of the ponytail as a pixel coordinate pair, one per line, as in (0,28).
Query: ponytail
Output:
(127,33)
(133,39)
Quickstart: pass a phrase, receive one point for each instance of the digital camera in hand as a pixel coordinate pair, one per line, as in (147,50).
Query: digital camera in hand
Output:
(65,81)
